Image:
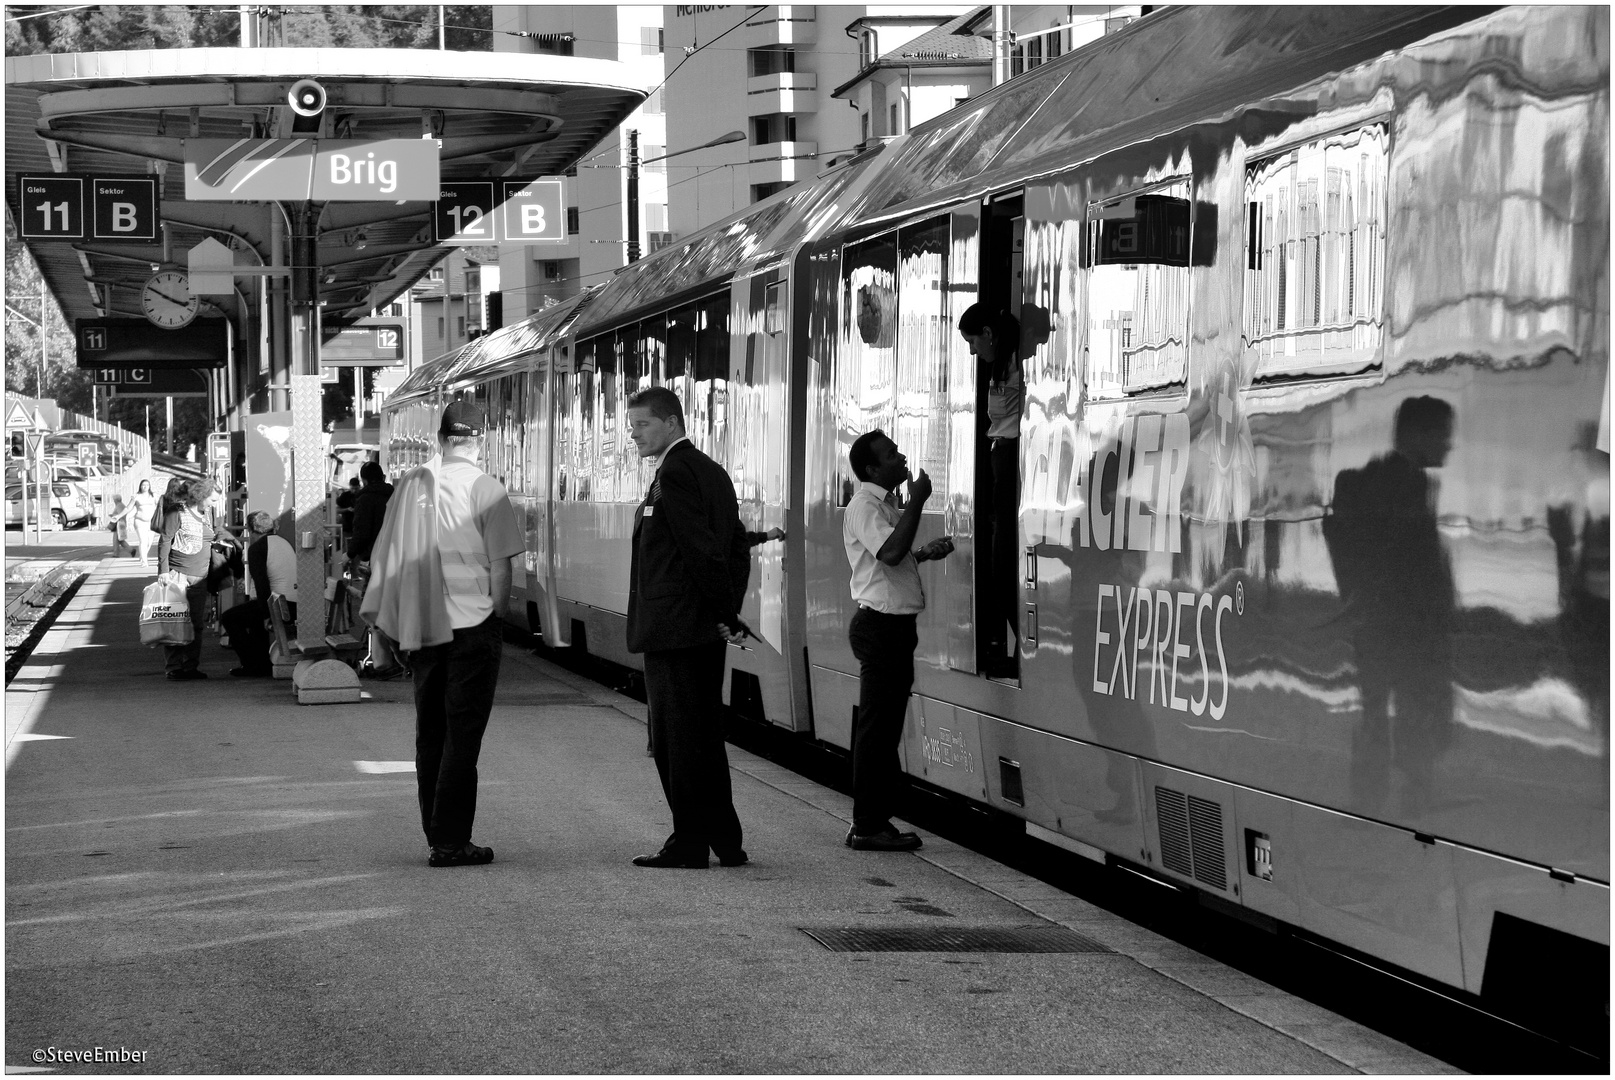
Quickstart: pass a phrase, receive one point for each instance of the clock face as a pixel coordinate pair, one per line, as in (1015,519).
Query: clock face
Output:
(167,300)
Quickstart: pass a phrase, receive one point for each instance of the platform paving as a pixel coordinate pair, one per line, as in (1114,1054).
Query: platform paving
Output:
(227,882)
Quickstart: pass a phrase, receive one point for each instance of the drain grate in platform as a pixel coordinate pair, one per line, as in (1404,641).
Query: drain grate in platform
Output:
(983,939)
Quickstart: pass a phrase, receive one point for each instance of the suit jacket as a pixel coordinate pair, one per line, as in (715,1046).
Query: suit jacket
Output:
(691,559)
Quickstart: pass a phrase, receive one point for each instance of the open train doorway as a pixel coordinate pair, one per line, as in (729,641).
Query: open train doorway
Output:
(993,330)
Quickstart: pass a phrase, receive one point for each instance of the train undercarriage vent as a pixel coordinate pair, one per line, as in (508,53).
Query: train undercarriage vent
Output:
(1009,782)
(1191,837)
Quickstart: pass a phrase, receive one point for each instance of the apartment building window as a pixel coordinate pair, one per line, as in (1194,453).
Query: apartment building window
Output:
(654,151)
(436,274)
(440,326)
(655,217)
(473,281)
(759,192)
(863,120)
(653,104)
(778,127)
(651,41)
(459,326)
(867,48)
(572,170)
(894,130)
(772,60)
(572,227)
(1056,42)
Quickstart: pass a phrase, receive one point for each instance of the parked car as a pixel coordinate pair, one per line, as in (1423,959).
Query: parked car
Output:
(68,504)
(92,480)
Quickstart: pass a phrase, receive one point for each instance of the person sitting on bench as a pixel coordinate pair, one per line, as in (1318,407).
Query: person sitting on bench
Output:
(271,568)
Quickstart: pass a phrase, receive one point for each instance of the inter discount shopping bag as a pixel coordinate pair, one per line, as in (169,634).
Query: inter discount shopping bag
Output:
(165,617)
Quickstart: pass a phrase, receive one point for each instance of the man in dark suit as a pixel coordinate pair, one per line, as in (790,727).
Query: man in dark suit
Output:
(690,564)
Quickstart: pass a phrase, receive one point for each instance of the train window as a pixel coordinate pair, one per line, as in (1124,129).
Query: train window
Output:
(1138,291)
(653,351)
(924,339)
(866,364)
(565,426)
(608,386)
(584,443)
(707,402)
(1315,255)
(680,349)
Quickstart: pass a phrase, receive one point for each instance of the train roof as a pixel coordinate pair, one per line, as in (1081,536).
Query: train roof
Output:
(504,350)
(1159,74)
(751,238)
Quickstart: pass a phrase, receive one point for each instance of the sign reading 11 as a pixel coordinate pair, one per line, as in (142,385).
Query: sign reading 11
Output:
(492,211)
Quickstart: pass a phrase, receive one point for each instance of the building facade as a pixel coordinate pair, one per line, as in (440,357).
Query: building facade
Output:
(596,193)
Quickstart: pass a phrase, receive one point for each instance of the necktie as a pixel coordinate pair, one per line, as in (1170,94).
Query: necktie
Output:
(656,487)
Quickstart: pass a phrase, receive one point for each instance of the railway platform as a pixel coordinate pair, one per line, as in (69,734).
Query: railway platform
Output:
(209,878)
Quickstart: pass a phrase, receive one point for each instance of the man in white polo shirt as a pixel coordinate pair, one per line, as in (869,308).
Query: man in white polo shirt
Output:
(886,586)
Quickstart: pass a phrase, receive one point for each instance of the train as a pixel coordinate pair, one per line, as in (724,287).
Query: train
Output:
(1310,604)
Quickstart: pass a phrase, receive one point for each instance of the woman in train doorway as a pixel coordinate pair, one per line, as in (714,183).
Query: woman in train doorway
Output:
(994,339)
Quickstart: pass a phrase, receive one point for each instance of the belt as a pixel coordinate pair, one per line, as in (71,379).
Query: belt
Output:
(889,614)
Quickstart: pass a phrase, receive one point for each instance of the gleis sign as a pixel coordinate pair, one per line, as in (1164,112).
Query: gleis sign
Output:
(328,170)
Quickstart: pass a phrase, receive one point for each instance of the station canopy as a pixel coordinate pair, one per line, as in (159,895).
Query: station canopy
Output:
(496,115)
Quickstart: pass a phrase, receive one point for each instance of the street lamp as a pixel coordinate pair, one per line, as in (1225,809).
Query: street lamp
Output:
(633,178)
(733,136)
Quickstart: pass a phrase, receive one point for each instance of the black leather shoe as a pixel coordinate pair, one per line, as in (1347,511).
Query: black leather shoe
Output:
(467,854)
(663,860)
(737,857)
(888,839)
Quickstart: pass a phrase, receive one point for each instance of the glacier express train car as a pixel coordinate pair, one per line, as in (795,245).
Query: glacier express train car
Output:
(1311,608)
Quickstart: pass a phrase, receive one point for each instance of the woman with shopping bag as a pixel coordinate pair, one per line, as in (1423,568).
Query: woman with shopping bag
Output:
(184,548)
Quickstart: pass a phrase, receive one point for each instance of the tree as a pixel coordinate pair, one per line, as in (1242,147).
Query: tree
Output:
(111,28)
(51,371)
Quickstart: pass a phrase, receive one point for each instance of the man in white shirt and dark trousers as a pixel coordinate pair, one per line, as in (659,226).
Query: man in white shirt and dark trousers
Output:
(886,586)
(477,535)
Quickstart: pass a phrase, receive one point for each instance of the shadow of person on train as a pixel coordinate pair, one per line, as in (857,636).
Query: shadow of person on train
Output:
(1396,583)
(1581,555)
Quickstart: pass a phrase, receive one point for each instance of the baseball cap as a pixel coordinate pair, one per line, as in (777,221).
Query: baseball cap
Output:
(462,418)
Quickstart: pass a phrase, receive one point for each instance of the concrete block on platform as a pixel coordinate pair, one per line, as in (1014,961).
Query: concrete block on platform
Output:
(282,664)
(325,682)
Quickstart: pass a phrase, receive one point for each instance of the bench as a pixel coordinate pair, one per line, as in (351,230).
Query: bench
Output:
(284,651)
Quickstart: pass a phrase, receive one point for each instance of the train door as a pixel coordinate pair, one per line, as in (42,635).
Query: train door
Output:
(539,524)
(998,452)
(768,678)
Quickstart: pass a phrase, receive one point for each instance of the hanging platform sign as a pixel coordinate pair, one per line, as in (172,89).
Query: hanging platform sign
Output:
(153,382)
(326,170)
(136,343)
(509,211)
(70,206)
(370,344)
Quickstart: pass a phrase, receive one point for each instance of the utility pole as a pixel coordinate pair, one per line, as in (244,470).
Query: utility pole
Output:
(1002,42)
(44,340)
(633,195)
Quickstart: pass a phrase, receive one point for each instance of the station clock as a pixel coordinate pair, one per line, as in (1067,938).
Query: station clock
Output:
(167,300)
